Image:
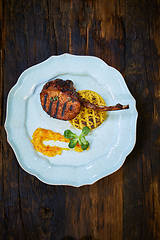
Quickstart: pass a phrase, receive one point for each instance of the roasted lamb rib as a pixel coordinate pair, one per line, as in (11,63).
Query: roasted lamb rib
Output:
(60,100)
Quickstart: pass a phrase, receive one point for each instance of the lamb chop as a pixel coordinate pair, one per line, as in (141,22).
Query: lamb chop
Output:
(60,100)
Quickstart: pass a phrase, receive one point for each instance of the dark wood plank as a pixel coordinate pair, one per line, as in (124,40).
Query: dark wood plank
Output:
(31,209)
(125,205)
(141,172)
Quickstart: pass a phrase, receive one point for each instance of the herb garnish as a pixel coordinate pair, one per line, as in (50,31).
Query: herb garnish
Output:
(54,99)
(74,139)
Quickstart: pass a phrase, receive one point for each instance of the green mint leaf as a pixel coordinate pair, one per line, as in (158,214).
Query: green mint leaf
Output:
(68,134)
(82,140)
(55,98)
(85,146)
(74,138)
(85,131)
(72,143)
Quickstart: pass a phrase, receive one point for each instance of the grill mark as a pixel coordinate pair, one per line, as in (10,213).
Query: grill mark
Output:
(71,108)
(55,115)
(50,107)
(45,100)
(63,109)
(66,90)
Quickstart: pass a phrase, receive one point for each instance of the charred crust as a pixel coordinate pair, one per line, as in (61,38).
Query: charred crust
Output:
(47,85)
(119,105)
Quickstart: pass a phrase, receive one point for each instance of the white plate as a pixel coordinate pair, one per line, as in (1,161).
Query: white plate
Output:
(110,143)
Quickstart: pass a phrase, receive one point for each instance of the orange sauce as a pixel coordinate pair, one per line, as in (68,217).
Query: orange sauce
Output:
(40,135)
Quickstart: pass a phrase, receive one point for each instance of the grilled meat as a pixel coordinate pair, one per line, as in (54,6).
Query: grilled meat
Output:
(60,100)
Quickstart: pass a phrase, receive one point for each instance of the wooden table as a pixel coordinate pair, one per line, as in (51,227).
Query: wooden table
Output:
(126,204)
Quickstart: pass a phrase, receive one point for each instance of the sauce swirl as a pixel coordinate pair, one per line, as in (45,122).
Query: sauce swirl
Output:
(40,135)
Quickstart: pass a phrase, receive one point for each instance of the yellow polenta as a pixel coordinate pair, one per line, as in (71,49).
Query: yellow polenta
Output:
(89,117)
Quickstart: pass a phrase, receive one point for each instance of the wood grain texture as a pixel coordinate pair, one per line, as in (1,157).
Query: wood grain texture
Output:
(126,204)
